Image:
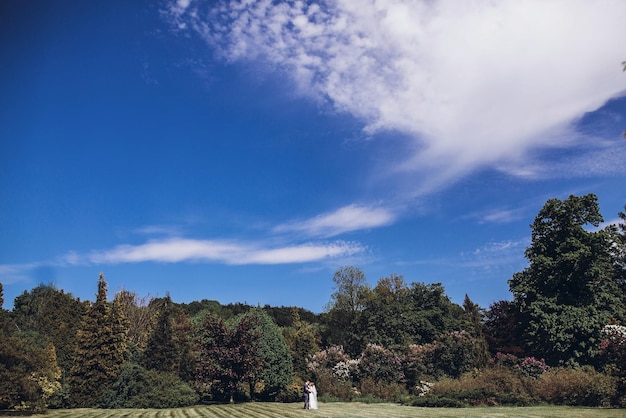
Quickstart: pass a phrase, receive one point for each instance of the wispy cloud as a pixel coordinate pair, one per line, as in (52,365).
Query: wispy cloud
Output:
(14,273)
(346,219)
(474,84)
(176,250)
(491,256)
(172,248)
(181,250)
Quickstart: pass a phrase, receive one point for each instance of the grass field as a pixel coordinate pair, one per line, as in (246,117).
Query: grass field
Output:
(335,410)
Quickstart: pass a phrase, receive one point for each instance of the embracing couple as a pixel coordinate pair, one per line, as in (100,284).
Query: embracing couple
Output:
(310,395)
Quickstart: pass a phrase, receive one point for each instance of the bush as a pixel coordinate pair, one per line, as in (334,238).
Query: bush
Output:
(137,387)
(576,387)
(291,393)
(328,384)
(381,364)
(377,390)
(498,386)
(436,401)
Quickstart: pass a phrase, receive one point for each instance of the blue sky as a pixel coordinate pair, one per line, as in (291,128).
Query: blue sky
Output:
(243,151)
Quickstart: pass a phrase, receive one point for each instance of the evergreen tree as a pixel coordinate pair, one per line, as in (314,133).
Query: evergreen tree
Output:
(161,352)
(182,335)
(302,339)
(101,350)
(476,329)
(277,367)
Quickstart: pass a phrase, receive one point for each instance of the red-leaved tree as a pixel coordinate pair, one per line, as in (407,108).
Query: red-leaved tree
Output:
(227,355)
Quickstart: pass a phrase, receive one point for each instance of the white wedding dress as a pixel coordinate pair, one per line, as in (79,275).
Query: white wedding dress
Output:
(313,398)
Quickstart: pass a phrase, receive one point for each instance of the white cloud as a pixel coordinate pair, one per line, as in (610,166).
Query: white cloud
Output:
(474,83)
(346,219)
(501,216)
(14,273)
(176,250)
(495,255)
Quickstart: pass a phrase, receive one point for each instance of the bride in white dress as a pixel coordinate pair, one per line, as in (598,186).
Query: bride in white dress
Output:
(312,396)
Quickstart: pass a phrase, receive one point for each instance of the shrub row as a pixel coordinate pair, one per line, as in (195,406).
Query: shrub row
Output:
(504,386)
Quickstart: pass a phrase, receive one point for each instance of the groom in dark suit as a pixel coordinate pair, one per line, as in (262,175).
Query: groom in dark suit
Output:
(306,391)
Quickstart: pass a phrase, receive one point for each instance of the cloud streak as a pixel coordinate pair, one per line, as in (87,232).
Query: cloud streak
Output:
(474,84)
(346,219)
(183,250)
(176,250)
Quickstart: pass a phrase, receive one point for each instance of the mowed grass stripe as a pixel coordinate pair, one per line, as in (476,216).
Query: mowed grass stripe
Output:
(336,410)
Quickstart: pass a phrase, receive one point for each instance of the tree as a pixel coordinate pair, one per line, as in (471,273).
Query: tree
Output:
(161,352)
(29,374)
(387,319)
(568,292)
(476,329)
(501,328)
(344,310)
(618,249)
(228,356)
(140,316)
(101,350)
(54,315)
(302,338)
(277,367)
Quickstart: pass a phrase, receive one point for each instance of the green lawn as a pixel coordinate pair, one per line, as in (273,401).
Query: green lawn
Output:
(336,410)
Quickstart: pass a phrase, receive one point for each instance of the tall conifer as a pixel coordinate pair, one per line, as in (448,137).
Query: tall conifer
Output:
(100,353)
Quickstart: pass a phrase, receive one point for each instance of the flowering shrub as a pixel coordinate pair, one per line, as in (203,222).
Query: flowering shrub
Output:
(327,359)
(346,370)
(613,358)
(380,364)
(329,368)
(615,332)
(455,353)
(532,367)
(614,340)
(423,388)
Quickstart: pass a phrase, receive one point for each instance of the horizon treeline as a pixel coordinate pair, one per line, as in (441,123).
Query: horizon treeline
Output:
(397,340)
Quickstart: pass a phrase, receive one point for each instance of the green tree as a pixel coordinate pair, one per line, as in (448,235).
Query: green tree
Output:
(29,374)
(387,319)
(303,340)
(345,308)
(618,250)
(101,350)
(277,367)
(182,333)
(54,315)
(568,292)
(475,318)
(453,353)
(161,352)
